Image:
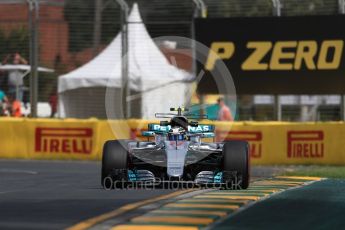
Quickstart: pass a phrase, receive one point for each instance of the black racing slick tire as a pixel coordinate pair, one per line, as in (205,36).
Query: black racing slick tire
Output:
(236,164)
(114,157)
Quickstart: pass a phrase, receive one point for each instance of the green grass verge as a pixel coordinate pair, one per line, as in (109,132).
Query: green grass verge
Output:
(317,171)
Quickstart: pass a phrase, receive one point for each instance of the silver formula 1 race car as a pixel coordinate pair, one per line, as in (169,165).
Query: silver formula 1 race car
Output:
(176,154)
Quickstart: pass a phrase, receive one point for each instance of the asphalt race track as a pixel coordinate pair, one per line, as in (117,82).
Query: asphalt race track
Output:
(55,195)
(58,195)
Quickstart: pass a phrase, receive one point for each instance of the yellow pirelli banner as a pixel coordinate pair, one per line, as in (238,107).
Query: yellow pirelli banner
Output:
(280,142)
(290,143)
(69,139)
(270,142)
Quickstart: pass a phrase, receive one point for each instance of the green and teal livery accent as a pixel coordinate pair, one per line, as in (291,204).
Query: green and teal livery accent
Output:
(131,175)
(218,177)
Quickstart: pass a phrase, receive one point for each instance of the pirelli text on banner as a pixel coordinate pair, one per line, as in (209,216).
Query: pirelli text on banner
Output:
(305,144)
(63,140)
(253,137)
(286,55)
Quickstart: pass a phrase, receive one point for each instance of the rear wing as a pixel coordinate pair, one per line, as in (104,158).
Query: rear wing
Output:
(179,111)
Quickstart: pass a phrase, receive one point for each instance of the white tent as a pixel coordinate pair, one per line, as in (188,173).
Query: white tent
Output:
(157,83)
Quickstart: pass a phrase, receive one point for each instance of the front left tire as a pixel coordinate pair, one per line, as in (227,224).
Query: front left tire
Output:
(236,164)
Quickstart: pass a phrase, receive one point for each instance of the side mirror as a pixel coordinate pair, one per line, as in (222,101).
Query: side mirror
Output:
(194,123)
(164,123)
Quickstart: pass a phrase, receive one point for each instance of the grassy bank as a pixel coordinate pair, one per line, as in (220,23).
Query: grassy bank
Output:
(315,170)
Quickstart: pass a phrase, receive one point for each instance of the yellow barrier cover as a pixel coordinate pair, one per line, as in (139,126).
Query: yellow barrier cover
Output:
(74,139)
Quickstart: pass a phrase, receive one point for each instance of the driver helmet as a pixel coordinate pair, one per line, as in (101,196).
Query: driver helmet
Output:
(176,134)
(179,127)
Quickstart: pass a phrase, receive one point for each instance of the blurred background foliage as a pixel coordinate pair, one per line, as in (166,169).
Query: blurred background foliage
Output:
(17,41)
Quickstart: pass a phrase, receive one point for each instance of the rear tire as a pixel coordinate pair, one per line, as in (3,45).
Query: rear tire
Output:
(236,159)
(114,157)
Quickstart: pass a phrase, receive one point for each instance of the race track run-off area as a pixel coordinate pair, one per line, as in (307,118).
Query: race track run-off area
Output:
(68,195)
